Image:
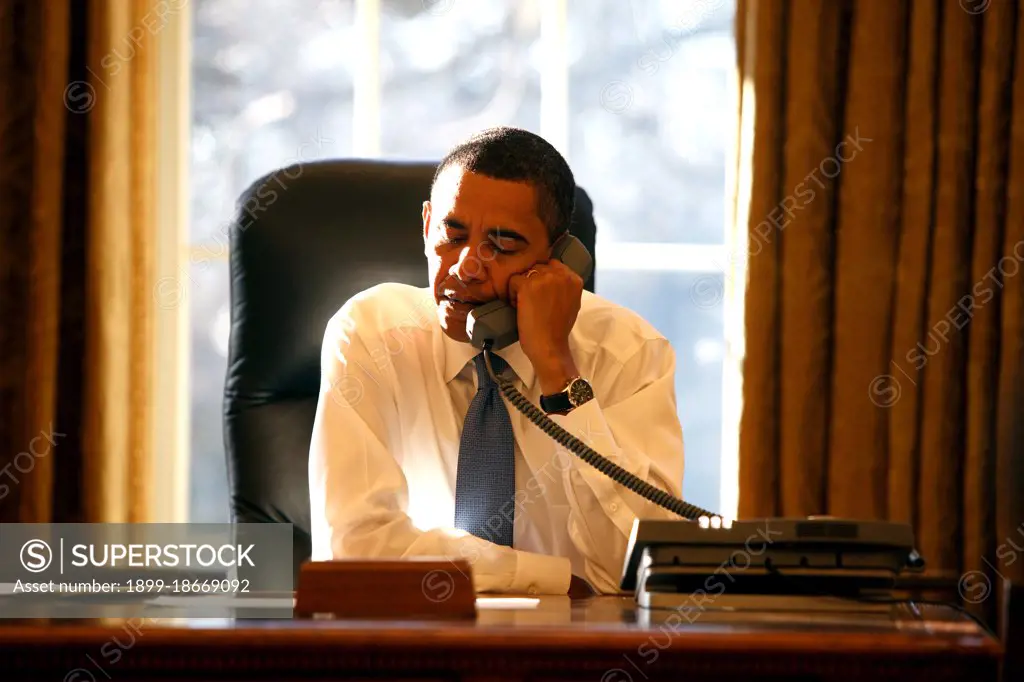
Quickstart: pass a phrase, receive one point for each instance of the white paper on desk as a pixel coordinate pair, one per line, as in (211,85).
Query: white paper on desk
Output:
(498,603)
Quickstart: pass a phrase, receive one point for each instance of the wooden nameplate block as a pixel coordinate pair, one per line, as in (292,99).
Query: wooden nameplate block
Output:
(386,588)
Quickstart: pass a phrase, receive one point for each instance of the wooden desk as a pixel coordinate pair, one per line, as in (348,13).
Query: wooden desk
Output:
(603,639)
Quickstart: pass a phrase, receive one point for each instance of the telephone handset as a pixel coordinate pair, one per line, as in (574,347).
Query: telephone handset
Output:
(492,326)
(496,321)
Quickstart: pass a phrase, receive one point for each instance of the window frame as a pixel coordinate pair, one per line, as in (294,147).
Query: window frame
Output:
(170,434)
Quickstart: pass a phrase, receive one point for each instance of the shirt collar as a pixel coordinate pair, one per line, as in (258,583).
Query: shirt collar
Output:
(458,354)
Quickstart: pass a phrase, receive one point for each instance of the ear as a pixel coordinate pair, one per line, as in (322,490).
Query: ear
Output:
(426,221)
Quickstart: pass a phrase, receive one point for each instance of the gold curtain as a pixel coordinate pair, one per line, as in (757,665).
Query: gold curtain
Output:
(77,128)
(883,373)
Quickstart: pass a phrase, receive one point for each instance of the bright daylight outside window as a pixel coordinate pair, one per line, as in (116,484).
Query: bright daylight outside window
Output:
(645,130)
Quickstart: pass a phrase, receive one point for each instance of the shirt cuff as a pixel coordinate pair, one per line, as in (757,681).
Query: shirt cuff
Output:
(541,574)
(587,423)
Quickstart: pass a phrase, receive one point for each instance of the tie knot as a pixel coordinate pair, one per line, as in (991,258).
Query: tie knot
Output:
(483,377)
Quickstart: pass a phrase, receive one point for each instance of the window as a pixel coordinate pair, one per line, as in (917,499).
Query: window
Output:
(635,94)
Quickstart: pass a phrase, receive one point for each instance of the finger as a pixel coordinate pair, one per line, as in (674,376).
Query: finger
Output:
(522,282)
(570,273)
(555,265)
(514,282)
(553,270)
(563,271)
(527,277)
(548,267)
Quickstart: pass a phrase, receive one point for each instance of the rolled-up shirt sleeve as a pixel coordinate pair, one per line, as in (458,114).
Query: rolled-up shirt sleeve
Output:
(634,423)
(359,493)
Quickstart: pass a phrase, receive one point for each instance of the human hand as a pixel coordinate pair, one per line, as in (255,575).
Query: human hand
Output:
(547,301)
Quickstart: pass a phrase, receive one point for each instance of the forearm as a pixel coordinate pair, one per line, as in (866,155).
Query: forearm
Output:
(493,568)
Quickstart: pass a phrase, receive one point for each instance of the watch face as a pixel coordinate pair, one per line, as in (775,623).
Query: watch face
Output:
(580,392)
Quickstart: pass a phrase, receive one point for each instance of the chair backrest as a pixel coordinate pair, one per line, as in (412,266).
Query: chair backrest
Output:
(304,240)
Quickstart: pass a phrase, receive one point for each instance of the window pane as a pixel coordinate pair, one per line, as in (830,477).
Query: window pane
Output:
(450,68)
(210,318)
(687,309)
(271,86)
(649,123)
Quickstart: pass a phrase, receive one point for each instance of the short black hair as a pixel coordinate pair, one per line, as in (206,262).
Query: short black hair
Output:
(506,153)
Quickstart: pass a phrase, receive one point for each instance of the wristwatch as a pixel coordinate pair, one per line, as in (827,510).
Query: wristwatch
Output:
(575,393)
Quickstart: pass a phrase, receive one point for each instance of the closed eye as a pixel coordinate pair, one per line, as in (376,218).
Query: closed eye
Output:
(501,244)
(497,247)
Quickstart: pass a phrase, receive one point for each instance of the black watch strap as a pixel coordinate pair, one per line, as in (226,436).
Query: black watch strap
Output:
(558,402)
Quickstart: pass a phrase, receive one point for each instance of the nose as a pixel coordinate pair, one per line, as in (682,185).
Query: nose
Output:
(469,267)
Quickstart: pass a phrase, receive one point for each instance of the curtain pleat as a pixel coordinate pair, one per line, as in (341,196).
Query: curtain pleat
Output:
(108,277)
(900,389)
(944,340)
(44,251)
(759,445)
(143,277)
(867,219)
(33,74)
(802,221)
(1010,422)
(982,308)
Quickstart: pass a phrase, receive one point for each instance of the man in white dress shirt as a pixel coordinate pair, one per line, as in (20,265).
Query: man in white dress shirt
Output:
(398,377)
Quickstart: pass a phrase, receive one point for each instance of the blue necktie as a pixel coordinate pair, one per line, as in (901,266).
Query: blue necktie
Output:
(485,484)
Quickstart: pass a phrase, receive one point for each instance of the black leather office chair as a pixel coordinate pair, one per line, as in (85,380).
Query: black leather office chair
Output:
(304,240)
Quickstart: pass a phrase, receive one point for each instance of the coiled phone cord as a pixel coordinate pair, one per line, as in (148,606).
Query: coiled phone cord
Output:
(590,456)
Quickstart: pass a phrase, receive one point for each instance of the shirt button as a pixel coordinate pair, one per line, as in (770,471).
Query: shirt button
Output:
(614,507)
(532,589)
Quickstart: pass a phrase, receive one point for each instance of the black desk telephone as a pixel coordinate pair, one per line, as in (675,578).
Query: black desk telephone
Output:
(492,326)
